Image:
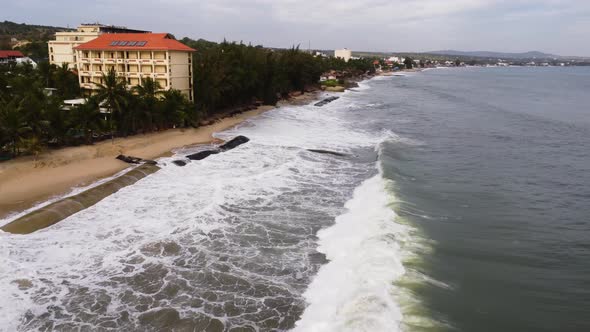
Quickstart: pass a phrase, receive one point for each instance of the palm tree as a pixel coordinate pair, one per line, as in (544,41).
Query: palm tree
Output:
(174,109)
(148,92)
(66,81)
(112,94)
(56,120)
(12,124)
(87,117)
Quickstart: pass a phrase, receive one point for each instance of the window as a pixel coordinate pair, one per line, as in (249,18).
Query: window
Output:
(51,49)
(52,58)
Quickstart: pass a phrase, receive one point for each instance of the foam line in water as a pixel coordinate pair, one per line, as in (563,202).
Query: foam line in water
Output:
(355,290)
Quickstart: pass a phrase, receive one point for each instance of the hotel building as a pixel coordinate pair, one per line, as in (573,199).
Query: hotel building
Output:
(61,50)
(134,56)
(344,54)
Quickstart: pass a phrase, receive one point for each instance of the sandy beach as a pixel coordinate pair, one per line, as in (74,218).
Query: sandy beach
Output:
(25,182)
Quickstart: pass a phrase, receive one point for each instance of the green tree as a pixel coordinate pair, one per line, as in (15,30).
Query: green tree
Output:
(409,63)
(176,110)
(66,82)
(87,118)
(148,93)
(113,95)
(13,126)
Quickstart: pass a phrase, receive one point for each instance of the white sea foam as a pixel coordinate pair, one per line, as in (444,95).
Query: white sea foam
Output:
(246,218)
(354,291)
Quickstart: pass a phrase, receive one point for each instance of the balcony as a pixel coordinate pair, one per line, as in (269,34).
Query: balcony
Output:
(88,86)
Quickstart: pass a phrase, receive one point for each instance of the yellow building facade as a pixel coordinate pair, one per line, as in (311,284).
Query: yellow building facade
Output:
(61,50)
(136,56)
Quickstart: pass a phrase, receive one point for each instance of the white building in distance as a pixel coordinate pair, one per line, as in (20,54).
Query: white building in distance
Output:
(344,54)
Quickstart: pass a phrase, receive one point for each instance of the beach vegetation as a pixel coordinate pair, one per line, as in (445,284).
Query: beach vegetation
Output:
(33,117)
(331,83)
(230,74)
(226,76)
(409,63)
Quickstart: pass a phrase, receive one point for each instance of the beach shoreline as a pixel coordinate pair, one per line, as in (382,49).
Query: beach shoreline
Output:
(27,181)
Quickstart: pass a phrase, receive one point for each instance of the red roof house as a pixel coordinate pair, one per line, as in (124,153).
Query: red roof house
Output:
(10,55)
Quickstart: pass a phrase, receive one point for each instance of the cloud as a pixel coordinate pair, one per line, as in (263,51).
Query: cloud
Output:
(397,25)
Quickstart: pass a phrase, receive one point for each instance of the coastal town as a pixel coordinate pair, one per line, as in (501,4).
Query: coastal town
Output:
(127,81)
(99,83)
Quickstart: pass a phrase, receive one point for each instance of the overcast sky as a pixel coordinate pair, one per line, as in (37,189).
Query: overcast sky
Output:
(554,26)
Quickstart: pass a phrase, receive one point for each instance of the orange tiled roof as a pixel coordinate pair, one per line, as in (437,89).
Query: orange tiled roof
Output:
(135,41)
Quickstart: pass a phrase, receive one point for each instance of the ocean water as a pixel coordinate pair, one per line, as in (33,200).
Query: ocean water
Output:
(462,204)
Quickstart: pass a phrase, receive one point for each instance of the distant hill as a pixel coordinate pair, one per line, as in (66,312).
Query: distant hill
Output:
(31,39)
(30,32)
(498,55)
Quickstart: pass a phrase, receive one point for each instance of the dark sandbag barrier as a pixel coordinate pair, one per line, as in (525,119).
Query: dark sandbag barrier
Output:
(339,154)
(326,101)
(231,144)
(234,142)
(135,160)
(202,155)
(56,212)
